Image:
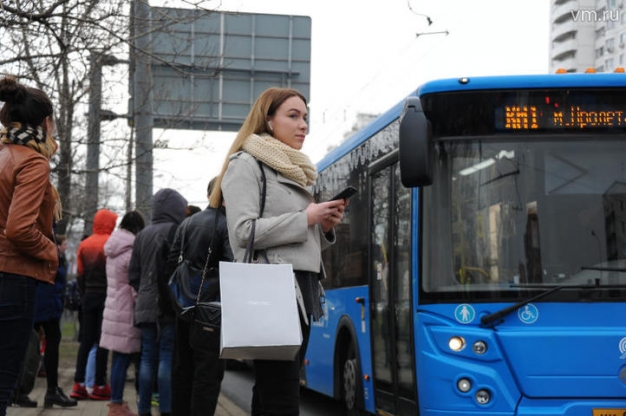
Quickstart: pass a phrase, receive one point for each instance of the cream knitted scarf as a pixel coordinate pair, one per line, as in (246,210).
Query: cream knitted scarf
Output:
(291,163)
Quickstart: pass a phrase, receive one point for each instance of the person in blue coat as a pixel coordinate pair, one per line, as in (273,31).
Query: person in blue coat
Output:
(48,311)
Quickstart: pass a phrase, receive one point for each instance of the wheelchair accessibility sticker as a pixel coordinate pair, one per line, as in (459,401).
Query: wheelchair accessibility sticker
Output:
(622,349)
(528,314)
(465,313)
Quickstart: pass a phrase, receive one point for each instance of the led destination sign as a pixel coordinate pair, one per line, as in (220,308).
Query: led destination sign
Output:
(526,111)
(531,117)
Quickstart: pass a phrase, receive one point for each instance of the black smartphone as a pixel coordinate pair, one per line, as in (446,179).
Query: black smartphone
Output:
(345,194)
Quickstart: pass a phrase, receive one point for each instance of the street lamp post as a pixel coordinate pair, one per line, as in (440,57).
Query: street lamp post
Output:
(94,117)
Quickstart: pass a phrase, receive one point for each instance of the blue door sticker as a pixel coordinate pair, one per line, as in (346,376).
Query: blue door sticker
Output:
(465,313)
(622,348)
(528,314)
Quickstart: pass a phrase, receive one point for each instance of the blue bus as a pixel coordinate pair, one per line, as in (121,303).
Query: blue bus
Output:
(481,267)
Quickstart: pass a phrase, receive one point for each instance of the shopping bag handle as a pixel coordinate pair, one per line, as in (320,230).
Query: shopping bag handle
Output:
(249,256)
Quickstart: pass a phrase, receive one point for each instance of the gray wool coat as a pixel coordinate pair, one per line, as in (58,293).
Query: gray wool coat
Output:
(282,231)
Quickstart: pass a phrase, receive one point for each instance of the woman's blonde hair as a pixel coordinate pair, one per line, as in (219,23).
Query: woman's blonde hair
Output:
(256,123)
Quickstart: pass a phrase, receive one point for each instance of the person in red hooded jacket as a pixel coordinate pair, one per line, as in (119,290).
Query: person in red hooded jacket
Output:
(91,268)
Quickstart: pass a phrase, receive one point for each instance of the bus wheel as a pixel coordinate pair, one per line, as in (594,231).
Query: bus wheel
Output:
(350,383)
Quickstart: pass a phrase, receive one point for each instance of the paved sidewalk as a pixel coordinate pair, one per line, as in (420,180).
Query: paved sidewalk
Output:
(97,408)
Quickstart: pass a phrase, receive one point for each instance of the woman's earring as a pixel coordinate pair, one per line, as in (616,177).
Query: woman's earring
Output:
(269,124)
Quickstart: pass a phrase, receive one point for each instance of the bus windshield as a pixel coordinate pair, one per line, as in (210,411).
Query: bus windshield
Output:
(505,215)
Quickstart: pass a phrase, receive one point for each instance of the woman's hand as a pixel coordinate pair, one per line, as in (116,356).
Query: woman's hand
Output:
(328,214)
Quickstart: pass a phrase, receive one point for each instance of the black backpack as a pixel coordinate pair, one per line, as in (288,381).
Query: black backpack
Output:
(72,298)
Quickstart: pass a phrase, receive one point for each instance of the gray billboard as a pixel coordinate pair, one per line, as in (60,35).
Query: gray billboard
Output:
(208,68)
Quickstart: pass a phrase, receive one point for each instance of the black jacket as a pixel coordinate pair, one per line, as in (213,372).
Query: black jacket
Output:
(199,230)
(147,271)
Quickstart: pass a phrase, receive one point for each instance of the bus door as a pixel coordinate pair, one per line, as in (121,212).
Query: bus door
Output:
(390,286)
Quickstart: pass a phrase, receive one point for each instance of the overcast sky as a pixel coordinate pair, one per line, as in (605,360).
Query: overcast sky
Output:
(366,56)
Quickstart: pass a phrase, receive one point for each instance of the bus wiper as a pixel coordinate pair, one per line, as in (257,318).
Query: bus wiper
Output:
(487,319)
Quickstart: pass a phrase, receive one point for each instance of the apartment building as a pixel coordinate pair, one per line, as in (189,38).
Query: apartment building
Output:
(587,34)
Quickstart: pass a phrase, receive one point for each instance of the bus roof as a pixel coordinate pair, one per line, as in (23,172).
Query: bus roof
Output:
(569,80)
(599,80)
(362,135)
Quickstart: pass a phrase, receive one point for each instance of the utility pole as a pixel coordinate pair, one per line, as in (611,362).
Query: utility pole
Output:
(93,141)
(129,171)
(142,105)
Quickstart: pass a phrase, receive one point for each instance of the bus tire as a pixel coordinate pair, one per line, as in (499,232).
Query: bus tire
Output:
(351,382)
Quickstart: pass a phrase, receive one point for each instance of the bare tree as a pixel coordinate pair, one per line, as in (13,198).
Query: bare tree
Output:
(49,43)
(53,45)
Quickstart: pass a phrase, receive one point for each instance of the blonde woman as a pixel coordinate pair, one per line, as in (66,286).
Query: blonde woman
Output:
(293,228)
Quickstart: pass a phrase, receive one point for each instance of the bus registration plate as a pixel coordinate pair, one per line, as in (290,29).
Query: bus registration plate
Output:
(609,412)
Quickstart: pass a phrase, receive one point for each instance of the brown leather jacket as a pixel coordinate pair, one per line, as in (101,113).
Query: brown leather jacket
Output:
(27,203)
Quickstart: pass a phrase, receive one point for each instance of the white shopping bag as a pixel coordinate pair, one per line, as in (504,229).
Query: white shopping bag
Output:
(259,312)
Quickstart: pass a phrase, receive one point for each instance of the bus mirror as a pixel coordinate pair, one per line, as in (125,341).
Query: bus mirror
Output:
(415,146)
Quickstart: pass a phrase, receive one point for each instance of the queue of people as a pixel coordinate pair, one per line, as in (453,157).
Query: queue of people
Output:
(126,304)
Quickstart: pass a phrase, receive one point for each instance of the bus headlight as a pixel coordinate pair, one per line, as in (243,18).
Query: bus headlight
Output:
(479,347)
(456,344)
(483,396)
(464,385)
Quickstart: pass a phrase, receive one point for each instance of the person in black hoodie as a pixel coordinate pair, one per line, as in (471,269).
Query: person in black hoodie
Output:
(154,314)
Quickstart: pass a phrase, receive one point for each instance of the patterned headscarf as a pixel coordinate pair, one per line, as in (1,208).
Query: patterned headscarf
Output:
(33,137)
(36,139)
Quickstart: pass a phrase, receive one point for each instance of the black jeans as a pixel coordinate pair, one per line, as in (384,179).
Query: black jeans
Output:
(277,383)
(90,328)
(197,374)
(52,332)
(17,311)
